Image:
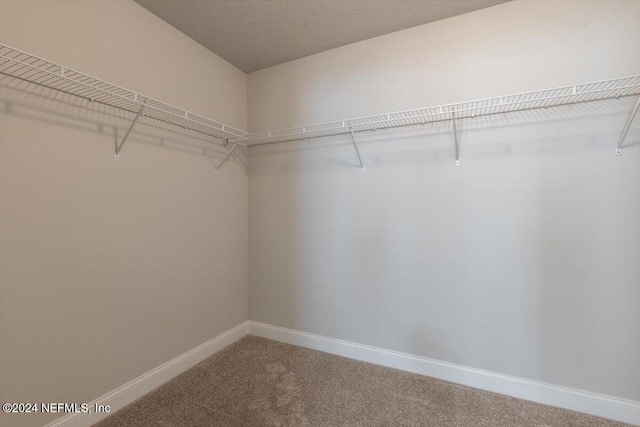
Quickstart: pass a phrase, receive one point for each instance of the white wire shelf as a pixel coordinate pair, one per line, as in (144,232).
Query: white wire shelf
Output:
(30,69)
(600,90)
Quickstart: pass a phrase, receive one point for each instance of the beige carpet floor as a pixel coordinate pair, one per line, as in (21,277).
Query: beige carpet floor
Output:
(258,382)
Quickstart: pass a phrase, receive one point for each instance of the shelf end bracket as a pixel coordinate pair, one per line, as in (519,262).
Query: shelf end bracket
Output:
(126,135)
(355,144)
(626,128)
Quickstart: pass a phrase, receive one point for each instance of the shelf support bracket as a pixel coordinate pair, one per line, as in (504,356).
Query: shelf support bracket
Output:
(455,138)
(626,128)
(224,159)
(355,144)
(126,135)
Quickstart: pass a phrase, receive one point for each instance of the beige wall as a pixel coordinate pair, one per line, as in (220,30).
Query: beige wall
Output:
(111,269)
(522,261)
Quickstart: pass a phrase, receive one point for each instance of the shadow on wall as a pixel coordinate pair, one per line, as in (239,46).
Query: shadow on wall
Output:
(33,102)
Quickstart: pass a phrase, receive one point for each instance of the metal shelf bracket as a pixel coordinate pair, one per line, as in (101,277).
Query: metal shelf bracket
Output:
(224,159)
(126,135)
(355,144)
(455,138)
(626,128)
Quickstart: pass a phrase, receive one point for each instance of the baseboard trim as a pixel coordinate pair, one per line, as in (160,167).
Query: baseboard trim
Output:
(613,408)
(123,395)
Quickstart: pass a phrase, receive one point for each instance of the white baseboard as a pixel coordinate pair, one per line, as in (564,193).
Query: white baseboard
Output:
(123,395)
(613,408)
(590,403)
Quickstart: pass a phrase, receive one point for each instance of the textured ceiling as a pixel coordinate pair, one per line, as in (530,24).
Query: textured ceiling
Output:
(254,34)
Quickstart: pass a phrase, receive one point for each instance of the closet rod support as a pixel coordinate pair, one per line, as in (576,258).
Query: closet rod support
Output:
(355,144)
(126,135)
(455,138)
(224,159)
(626,128)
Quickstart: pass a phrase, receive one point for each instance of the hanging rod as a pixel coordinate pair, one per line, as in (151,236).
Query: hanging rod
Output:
(585,92)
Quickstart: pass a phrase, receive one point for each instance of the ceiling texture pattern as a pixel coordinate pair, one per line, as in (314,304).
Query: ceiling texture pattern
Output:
(255,34)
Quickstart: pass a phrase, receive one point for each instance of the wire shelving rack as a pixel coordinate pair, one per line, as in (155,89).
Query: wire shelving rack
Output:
(595,91)
(31,69)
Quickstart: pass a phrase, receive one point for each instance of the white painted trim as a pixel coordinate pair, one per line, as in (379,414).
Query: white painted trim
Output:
(613,408)
(123,395)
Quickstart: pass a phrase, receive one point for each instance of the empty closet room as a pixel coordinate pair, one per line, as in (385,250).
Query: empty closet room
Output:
(319,213)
